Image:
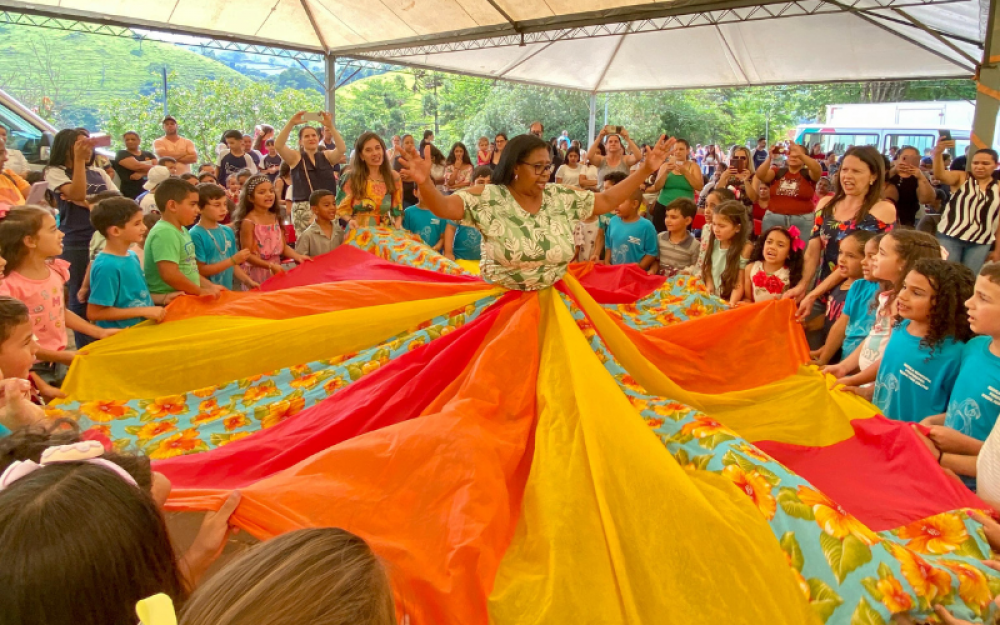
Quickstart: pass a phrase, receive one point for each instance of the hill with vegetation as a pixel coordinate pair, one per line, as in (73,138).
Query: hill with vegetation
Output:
(67,76)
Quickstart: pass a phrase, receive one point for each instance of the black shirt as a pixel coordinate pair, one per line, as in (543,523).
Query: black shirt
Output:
(907,205)
(130,188)
(230,165)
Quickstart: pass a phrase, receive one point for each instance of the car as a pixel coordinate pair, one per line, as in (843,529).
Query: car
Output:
(32,135)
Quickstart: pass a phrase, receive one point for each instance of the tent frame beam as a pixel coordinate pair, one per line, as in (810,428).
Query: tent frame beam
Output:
(933,33)
(637,20)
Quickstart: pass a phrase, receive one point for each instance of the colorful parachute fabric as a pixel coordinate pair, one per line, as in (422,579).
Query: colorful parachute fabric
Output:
(618,449)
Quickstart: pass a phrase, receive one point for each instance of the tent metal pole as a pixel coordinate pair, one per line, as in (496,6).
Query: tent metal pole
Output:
(984,125)
(592,120)
(331,86)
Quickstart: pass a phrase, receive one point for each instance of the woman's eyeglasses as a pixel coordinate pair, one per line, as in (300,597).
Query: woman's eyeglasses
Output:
(739,158)
(540,168)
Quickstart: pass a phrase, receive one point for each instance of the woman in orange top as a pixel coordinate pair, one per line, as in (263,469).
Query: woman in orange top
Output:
(380,199)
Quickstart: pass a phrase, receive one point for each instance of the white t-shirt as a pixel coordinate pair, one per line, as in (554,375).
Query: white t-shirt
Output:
(148,203)
(988,469)
(585,236)
(570,177)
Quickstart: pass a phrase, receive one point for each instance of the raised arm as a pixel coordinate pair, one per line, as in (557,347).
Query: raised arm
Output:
(76,190)
(418,169)
(286,153)
(340,150)
(594,153)
(954,179)
(607,201)
(635,153)
(764,172)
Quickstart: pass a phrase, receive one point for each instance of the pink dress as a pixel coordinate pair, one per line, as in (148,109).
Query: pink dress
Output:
(269,246)
(45,302)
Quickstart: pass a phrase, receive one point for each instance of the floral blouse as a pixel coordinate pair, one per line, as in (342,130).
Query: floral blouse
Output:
(521,251)
(376,207)
(464,175)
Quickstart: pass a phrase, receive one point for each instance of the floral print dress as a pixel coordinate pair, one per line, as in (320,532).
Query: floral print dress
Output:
(767,287)
(831,232)
(524,251)
(270,244)
(376,207)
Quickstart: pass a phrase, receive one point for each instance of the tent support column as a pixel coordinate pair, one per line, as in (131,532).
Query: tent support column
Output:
(331,86)
(984,125)
(592,120)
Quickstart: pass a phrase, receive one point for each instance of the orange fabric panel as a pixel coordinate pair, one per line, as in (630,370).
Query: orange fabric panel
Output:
(438,497)
(729,351)
(315,299)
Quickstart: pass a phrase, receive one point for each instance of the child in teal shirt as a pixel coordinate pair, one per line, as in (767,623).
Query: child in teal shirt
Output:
(924,354)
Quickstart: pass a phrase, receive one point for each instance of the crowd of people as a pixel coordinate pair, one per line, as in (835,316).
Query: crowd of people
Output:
(890,259)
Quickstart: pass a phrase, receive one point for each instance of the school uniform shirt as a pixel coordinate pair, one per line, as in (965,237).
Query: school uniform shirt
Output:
(912,382)
(166,241)
(230,165)
(860,313)
(214,245)
(424,224)
(468,244)
(74,219)
(677,255)
(314,242)
(630,241)
(975,398)
(118,282)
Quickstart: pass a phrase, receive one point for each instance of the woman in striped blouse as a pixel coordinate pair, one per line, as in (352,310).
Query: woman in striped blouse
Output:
(969,223)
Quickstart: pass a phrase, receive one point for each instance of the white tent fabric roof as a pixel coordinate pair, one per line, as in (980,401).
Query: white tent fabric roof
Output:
(591,45)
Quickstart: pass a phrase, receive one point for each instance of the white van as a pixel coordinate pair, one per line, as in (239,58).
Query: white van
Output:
(839,138)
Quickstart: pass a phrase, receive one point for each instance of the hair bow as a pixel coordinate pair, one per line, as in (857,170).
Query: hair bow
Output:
(797,243)
(84,451)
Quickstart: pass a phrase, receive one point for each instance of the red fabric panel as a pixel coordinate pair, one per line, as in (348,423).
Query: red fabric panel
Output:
(405,386)
(349,263)
(884,475)
(615,284)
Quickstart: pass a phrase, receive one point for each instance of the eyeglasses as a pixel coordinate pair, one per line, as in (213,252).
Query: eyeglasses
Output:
(739,158)
(540,168)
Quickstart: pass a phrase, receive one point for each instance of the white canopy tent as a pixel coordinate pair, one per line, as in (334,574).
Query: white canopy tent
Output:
(594,45)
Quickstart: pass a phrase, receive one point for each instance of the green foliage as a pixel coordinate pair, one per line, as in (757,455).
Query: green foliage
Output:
(206,110)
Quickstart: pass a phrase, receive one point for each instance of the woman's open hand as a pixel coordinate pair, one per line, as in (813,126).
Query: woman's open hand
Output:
(415,167)
(657,155)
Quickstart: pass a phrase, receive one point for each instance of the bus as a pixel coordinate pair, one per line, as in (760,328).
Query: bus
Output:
(836,138)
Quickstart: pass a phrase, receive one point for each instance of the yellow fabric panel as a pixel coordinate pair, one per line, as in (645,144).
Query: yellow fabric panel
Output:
(157,360)
(472,266)
(612,527)
(766,412)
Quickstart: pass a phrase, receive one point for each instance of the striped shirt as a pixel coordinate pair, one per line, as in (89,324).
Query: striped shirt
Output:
(678,255)
(972,214)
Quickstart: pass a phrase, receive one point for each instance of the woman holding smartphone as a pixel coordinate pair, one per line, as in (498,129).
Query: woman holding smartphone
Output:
(739,175)
(309,173)
(616,158)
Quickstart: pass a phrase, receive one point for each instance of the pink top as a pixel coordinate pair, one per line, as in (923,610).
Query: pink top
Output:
(44,299)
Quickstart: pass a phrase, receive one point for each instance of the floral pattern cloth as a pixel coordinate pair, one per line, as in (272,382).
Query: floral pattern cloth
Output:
(521,251)
(679,299)
(849,574)
(404,248)
(174,425)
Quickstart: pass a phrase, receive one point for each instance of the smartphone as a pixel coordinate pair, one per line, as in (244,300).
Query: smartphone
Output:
(945,135)
(312,117)
(36,195)
(101,140)
(612,130)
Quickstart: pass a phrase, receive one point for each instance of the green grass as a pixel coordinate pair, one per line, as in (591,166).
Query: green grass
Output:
(92,69)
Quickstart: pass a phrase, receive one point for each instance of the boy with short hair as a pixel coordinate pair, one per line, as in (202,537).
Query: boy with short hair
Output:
(171,264)
(678,248)
(966,438)
(632,239)
(464,242)
(425,224)
(219,257)
(171,164)
(236,159)
(610,180)
(324,234)
(119,297)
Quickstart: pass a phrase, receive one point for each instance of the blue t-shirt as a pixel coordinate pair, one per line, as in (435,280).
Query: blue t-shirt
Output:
(468,243)
(858,308)
(975,398)
(912,383)
(118,282)
(214,246)
(424,224)
(630,241)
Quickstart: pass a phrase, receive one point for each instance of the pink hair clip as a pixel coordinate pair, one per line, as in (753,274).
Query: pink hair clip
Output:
(84,451)
(797,243)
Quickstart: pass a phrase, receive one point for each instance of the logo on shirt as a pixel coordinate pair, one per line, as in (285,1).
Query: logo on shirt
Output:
(966,412)
(634,240)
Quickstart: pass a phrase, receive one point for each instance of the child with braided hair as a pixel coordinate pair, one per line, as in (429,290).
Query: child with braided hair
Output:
(259,226)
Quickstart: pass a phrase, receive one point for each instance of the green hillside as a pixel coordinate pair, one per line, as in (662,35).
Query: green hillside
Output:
(79,71)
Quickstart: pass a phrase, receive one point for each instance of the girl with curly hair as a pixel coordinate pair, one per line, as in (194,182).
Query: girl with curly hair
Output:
(923,357)
(898,252)
(775,263)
